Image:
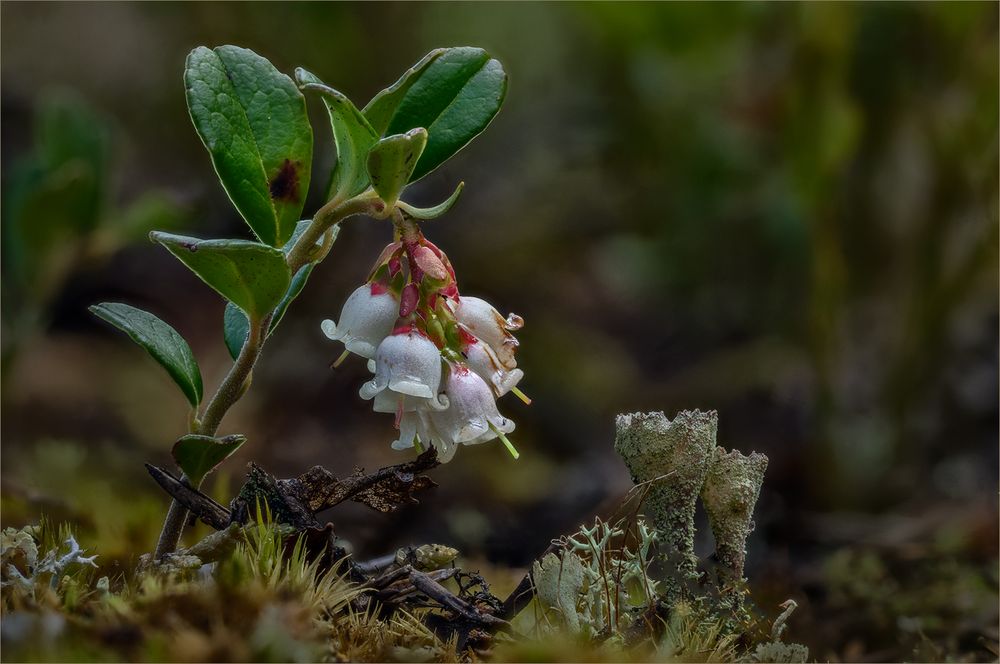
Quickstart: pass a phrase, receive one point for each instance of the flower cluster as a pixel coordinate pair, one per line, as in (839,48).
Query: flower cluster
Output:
(439,359)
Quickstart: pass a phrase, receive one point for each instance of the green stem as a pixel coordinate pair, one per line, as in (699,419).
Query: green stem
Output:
(326,218)
(229,392)
(234,386)
(173,526)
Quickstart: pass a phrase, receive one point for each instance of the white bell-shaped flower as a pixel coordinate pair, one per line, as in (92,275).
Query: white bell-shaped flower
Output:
(416,427)
(406,363)
(366,319)
(388,401)
(471,417)
(485,322)
(484,361)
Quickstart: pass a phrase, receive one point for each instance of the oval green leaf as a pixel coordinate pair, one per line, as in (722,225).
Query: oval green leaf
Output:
(253,121)
(381,108)
(161,341)
(454,95)
(198,455)
(352,134)
(235,325)
(251,275)
(391,162)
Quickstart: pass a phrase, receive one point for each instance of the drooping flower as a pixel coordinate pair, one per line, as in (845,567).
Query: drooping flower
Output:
(483,360)
(483,320)
(439,360)
(407,363)
(366,319)
(472,416)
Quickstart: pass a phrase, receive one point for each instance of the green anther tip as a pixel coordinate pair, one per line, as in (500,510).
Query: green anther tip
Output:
(509,445)
(521,395)
(340,360)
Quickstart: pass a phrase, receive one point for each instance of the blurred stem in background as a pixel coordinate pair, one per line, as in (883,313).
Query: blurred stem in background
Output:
(60,215)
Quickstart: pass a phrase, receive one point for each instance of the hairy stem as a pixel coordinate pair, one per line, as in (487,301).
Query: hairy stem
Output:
(326,218)
(233,387)
(173,526)
(235,384)
(229,392)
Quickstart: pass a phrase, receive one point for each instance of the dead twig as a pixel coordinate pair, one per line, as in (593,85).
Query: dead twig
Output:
(435,591)
(296,501)
(385,490)
(209,511)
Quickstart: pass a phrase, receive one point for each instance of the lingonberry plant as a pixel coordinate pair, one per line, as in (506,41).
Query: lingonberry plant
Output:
(439,359)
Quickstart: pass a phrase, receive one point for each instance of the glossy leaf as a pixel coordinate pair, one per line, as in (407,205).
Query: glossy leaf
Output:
(252,119)
(198,455)
(235,325)
(381,108)
(352,134)
(391,161)
(251,275)
(453,95)
(435,211)
(161,341)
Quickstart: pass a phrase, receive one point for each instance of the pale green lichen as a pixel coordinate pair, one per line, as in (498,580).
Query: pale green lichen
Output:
(673,457)
(559,583)
(776,652)
(729,494)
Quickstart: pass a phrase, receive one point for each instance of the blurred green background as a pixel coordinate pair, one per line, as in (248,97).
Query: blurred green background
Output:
(784,212)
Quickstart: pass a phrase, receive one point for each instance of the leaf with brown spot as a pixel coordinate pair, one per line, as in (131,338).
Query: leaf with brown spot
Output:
(253,122)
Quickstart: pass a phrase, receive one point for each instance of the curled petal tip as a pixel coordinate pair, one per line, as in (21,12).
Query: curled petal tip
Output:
(329,329)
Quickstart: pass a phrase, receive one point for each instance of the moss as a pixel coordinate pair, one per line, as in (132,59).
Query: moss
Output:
(673,458)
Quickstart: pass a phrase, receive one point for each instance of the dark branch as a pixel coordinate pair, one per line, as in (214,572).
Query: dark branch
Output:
(384,490)
(434,590)
(198,503)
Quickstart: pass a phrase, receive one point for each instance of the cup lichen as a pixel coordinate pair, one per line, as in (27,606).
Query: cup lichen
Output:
(674,457)
(729,494)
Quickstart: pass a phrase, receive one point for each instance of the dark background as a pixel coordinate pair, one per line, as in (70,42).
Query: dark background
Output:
(786,213)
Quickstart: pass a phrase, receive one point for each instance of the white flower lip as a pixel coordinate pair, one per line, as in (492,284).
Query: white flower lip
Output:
(417,425)
(407,364)
(365,321)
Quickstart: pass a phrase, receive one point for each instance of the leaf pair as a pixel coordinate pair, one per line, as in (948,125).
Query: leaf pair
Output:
(434,110)
(236,326)
(251,276)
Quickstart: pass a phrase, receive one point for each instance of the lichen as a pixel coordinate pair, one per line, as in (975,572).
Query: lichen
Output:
(776,652)
(673,458)
(558,586)
(729,494)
